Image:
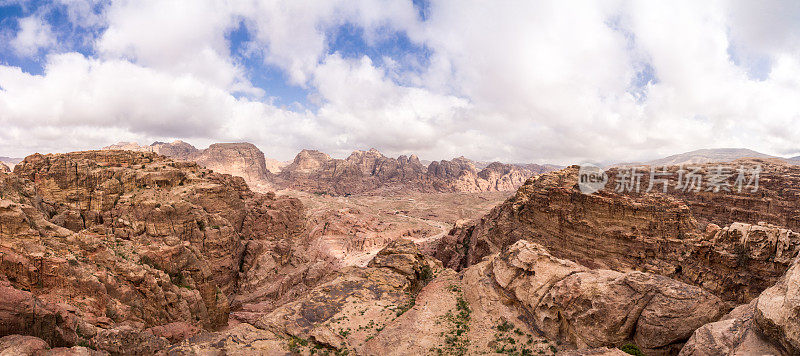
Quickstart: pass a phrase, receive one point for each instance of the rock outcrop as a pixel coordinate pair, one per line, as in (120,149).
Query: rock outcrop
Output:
(666,234)
(733,334)
(361,172)
(126,252)
(766,326)
(239,159)
(339,314)
(98,246)
(777,311)
(370,171)
(4,168)
(595,308)
(522,301)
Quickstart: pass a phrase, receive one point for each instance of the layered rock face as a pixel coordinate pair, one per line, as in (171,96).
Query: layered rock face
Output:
(4,168)
(362,171)
(766,326)
(653,232)
(371,171)
(239,159)
(127,251)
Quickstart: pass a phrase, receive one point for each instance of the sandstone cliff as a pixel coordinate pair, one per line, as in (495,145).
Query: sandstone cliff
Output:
(361,172)
(672,235)
(239,159)
(371,172)
(122,250)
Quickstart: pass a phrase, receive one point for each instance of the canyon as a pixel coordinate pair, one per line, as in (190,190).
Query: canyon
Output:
(166,249)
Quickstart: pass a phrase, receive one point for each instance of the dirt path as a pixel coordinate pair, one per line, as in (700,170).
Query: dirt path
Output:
(443,227)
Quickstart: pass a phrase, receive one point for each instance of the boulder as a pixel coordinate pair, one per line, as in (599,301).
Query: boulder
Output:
(602,308)
(777,311)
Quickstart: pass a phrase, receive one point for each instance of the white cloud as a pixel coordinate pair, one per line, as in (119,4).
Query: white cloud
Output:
(34,35)
(518,81)
(293,33)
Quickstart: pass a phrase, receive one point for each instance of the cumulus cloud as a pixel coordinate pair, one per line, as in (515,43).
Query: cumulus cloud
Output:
(34,35)
(516,81)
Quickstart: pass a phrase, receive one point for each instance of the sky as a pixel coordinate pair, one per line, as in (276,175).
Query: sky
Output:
(516,81)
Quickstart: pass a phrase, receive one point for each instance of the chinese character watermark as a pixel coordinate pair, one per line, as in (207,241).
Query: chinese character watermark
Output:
(694,179)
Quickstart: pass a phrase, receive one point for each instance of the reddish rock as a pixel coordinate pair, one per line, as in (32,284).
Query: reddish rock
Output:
(596,308)
(105,244)
(22,345)
(371,171)
(648,232)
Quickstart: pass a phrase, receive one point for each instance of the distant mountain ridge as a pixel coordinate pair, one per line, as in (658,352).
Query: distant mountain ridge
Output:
(10,162)
(703,156)
(369,171)
(361,172)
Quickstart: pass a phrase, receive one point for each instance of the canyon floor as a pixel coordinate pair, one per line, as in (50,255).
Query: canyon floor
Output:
(354,228)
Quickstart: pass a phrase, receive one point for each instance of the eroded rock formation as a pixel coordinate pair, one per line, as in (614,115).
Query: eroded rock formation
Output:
(127,252)
(653,232)
(239,159)
(361,172)
(371,171)
(98,246)
(595,308)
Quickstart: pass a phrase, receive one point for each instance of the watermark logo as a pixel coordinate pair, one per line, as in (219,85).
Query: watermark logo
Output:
(591,178)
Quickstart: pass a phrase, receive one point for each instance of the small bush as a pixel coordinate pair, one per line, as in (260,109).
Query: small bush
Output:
(426,274)
(505,326)
(631,349)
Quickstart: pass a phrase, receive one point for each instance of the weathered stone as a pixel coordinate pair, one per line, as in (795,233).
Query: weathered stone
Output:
(777,311)
(22,345)
(113,238)
(595,308)
(734,334)
(667,234)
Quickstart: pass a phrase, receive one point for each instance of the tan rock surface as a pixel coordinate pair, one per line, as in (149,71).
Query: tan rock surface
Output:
(766,326)
(12,345)
(239,159)
(370,171)
(735,334)
(104,244)
(648,232)
(595,308)
(777,311)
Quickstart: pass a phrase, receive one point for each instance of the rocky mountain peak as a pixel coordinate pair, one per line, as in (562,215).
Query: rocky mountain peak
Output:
(307,161)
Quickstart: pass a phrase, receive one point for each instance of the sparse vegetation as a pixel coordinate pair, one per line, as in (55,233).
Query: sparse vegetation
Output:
(456,340)
(510,340)
(631,349)
(426,273)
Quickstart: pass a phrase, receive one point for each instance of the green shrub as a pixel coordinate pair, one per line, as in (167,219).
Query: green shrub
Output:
(631,349)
